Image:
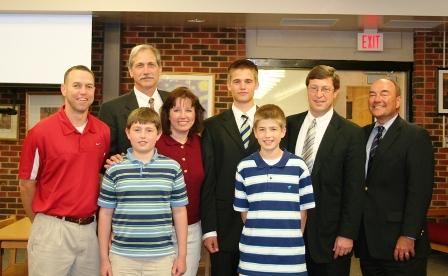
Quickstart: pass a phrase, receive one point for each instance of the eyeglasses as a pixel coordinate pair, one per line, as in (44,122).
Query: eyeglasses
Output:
(323,89)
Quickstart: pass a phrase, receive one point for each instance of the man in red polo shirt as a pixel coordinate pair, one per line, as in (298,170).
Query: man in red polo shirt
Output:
(59,182)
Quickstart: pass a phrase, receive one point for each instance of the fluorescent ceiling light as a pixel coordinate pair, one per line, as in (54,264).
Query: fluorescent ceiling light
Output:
(303,22)
(267,80)
(196,20)
(411,24)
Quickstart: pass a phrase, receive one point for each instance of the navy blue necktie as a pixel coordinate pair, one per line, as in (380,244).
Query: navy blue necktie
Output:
(375,144)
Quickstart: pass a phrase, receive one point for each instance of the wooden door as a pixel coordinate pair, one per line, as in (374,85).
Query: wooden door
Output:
(357,105)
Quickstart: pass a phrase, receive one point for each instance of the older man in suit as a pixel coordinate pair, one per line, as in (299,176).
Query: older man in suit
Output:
(399,178)
(226,140)
(333,149)
(145,67)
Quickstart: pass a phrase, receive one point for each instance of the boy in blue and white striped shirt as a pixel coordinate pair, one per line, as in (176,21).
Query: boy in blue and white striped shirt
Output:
(140,198)
(272,191)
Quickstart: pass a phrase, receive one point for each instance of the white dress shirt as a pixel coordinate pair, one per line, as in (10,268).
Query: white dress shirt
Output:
(250,113)
(321,126)
(143,99)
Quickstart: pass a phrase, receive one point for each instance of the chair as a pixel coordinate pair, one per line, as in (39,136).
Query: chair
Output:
(438,231)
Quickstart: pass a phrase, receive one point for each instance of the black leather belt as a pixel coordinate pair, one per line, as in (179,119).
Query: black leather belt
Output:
(80,221)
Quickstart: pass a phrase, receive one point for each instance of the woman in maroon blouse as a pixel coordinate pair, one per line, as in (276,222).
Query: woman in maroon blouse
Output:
(182,117)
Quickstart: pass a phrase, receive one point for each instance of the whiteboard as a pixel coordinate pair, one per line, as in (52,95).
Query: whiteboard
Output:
(39,48)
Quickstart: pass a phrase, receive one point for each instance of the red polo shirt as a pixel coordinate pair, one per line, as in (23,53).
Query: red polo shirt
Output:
(65,164)
(189,157)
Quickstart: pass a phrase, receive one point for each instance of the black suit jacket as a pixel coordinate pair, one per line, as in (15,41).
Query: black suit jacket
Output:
(222,150)
(337,178)
(399,189)
(115,114)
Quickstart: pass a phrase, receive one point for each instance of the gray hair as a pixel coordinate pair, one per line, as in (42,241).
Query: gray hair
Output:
(142,47)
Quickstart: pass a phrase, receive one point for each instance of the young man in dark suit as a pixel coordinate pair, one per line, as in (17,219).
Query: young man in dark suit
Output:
(145,67)
(398,188)
(333,149)
(226,140)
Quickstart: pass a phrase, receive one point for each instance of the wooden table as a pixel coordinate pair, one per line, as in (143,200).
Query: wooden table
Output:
(14,236)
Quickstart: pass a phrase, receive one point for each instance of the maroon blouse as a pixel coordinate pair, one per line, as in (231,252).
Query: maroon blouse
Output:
(189,157)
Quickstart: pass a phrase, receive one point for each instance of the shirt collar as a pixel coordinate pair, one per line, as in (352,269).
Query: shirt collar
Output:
(142,97)
(130,156)
(387,124)
(171,142)
(67,126)
(280,164)
(324,118)
(250,113)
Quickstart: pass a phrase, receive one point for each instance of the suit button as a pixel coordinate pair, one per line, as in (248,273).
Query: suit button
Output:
(366,188)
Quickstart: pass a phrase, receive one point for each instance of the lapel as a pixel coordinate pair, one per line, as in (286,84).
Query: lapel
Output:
(130,101)
(327,142)
(230,126)
(294,129)
(385,144)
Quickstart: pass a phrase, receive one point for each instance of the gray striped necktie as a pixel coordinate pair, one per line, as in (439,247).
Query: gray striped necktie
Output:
(307,152)
(151,102)
(245,130)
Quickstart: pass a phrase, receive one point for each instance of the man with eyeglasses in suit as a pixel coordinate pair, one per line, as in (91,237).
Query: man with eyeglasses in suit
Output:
(333,149)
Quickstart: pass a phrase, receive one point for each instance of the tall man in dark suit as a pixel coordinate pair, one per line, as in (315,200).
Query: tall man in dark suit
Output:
(223,148)
(333,149)
(145,67)
(400,172)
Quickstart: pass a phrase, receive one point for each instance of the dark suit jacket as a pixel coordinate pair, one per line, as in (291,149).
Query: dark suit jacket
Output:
(338,178)
(222,150)
(399,189)
(115,114)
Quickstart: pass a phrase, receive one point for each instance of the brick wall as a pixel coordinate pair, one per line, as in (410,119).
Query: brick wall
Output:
(428,55)
(9,155)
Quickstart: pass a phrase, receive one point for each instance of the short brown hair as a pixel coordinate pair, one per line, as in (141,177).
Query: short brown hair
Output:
(142,47)
(144,115)
(182,93)
(270,111)
(321,72)
(243,64)
(80,68)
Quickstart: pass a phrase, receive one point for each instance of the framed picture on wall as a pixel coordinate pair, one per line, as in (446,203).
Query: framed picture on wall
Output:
(41,105)
(9,122)
(202,85)
(442,90)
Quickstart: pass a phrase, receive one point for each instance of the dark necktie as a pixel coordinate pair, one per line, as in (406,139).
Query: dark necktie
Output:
(151,103)
(245,130)
(375,144)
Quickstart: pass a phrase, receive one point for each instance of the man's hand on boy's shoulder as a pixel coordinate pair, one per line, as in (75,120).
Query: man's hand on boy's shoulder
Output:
(114,159)
(179,266)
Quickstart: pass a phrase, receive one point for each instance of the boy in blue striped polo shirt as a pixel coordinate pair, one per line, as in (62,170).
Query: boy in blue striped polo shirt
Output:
(140,197)
(272,191)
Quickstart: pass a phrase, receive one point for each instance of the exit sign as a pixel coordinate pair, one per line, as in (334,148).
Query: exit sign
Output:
(370,42)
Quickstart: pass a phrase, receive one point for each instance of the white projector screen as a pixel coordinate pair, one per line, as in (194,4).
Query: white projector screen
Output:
(38,48)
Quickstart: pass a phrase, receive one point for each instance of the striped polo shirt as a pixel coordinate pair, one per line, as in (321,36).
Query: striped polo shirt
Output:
(142,195)
(273,196)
